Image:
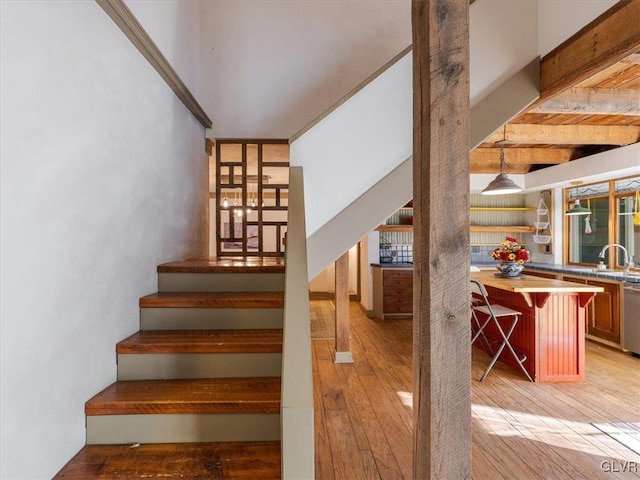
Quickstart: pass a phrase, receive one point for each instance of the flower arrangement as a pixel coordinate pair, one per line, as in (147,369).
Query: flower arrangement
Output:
(511,251)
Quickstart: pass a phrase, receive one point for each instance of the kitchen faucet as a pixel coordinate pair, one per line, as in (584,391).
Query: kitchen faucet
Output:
(627,262)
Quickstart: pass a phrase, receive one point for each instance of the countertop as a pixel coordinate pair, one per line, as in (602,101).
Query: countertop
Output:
(531,284)
(568,269)
(403,265)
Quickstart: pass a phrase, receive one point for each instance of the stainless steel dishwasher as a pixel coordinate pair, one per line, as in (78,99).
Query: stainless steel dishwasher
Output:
(632,318)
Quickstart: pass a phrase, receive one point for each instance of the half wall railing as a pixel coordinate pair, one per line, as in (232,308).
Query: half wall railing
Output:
(298,460)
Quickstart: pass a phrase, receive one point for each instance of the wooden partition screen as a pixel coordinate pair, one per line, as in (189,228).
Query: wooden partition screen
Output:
(251,196)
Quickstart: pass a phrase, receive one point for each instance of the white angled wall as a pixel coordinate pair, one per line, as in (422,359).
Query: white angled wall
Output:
(357,145)
(103,176)
(502,40)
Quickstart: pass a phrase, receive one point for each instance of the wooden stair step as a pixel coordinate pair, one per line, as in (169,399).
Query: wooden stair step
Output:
(213,300)
(228,460)
(210,395)
(225,265)
(202,341)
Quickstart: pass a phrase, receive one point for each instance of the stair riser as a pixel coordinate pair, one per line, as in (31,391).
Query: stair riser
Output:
(210,318)
(220,282)
(151,366)
(182,428)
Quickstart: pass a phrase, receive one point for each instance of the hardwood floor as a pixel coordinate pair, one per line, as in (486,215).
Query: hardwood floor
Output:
(520,430)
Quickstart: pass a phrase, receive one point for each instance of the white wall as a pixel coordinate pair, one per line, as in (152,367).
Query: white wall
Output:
(503,39)
(286,62)
(560,19)
(273,66)
(369,254)
(325,281)
(103,176)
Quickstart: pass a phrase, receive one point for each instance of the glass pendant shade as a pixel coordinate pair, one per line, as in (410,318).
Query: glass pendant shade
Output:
(577,209)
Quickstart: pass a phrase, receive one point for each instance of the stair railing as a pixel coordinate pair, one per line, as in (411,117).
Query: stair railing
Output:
(298,461)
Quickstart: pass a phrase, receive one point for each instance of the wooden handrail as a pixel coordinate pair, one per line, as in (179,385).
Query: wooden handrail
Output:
(298,461)
(133,30)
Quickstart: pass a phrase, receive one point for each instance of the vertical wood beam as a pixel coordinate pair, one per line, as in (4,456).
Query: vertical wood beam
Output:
(343,352)
(441,335)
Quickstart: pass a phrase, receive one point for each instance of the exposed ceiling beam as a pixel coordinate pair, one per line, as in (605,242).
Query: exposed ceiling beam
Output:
(517,160)
(567,134)
(593,101)
(605,41)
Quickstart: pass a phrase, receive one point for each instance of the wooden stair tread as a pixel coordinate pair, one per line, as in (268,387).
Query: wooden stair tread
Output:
(210,395)
(225,265)
(202,341)
(228,460)
(213,300)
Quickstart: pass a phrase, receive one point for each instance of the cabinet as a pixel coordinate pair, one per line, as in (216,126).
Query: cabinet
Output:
(392,292)
(603,319)
(535,273)
(603,313)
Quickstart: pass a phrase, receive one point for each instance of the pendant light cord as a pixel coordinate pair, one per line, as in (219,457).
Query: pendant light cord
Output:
(504,140)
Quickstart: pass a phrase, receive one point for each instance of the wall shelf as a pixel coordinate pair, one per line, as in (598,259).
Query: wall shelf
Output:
(503,228)
(395,228)
(501,209)
(473,228)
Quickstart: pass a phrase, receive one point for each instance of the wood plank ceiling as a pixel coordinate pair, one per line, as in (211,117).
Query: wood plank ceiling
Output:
(589,103)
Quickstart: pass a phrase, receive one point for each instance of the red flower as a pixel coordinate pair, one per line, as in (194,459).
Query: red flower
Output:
(510,251)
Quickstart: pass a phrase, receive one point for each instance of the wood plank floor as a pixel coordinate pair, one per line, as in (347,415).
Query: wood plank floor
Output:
(520,430)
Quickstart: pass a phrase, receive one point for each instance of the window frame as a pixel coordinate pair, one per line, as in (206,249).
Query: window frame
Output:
(612,221)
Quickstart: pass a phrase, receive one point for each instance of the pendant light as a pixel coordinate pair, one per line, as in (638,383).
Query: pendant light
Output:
(577,209)
(502,184)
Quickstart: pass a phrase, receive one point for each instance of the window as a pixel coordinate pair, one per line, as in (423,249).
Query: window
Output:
(611,205)
(627,234)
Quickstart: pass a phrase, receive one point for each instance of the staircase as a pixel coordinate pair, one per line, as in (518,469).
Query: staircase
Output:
(198,390)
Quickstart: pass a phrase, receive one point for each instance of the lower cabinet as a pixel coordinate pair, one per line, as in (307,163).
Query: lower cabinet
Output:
(392,292)
(535,273)
(603,319)
(603,313)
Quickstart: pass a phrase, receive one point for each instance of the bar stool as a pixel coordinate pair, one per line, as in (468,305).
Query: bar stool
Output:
(493,313)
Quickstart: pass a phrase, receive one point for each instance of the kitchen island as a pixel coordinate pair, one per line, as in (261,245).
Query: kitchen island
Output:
(551,329)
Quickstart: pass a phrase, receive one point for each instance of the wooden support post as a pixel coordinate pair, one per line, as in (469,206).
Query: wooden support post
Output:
(441,335)
(343,352)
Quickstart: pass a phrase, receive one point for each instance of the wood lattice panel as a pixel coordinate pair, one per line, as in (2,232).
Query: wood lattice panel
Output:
(252,186)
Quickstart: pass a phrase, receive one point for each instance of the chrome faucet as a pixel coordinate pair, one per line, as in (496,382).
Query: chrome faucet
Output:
(627,262)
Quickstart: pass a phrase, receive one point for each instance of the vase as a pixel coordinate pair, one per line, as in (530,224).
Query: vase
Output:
(510,269)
